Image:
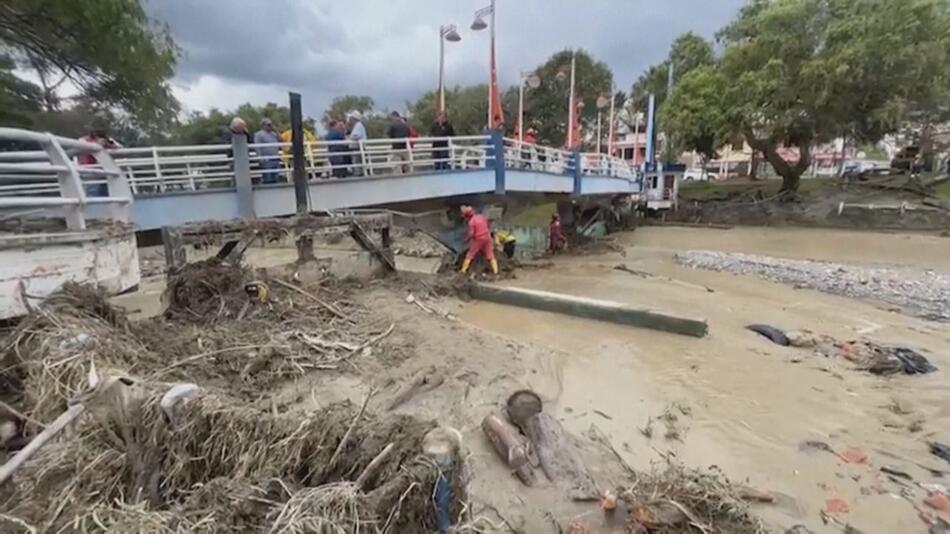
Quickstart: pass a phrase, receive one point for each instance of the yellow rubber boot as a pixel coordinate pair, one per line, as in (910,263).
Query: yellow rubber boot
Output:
(466,263)
(494,266)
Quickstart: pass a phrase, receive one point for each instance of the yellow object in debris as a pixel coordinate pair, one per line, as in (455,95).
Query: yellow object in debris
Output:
(503,237)
(257,290)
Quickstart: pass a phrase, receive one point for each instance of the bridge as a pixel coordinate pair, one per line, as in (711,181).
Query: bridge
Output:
(161,186)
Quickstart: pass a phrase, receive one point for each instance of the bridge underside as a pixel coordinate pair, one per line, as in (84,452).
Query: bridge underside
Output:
(418,191)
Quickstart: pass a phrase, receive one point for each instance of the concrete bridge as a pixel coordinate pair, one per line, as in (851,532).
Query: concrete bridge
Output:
(173,185)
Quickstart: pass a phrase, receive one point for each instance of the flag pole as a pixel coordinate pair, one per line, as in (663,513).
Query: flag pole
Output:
(610,124)
(572,111)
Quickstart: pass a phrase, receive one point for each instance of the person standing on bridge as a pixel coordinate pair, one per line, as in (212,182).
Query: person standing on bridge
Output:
(357,134)
(480,240)
(442,129)
(270,161)
(399,132)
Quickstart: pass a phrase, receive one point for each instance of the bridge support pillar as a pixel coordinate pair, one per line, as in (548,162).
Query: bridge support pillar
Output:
(498,147)
(242,176)
(578,171)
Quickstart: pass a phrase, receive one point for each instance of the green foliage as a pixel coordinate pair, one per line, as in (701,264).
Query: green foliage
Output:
(207,128)
(19,99)
(108,49)
(688,52)
(342,105)
(547,106)
(694,116)
(465,107)
(802,72)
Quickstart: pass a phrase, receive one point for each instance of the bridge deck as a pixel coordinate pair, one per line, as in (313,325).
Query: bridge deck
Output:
(167,186)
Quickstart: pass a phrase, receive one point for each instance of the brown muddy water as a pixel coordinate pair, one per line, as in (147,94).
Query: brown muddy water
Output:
(743,403)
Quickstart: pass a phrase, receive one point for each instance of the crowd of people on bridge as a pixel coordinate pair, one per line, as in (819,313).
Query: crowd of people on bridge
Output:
(343,138)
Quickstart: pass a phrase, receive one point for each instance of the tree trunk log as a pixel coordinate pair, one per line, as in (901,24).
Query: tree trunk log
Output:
(557,453)
(511,446)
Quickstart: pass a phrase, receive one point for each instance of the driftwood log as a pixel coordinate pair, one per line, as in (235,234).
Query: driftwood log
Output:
(424,380)
(511,446)
(558,454)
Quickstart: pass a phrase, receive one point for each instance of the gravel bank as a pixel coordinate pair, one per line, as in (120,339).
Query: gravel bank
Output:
(920,292)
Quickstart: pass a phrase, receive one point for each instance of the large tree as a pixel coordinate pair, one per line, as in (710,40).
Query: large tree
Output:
(802,72)
(109,50)
(688,52)
(547,106)
(694,115)
(342,105)
(465,107)
(206,128)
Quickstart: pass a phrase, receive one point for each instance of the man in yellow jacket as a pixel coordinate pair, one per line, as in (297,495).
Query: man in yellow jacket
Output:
(310,145)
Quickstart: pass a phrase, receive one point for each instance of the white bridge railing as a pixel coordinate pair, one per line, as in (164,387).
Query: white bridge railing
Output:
(159,169)
(191,168)
(33,181)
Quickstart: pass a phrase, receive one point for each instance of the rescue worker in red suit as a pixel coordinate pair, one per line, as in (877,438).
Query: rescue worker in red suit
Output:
(479,236)
(556,235)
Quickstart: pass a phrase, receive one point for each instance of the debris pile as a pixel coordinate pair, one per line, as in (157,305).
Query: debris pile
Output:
(672,500)
(921,292)
(223,337)
(130,465)
(213,468)
(678,499)
(867,355)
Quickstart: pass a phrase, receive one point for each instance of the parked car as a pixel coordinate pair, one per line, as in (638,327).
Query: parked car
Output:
(905,158)
(699,175)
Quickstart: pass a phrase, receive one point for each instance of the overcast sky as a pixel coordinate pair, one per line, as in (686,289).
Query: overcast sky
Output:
(235,51)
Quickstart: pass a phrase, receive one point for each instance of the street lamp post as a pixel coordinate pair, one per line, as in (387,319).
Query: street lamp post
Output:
(446,33)
(479,24)
(602,103)
(533,81)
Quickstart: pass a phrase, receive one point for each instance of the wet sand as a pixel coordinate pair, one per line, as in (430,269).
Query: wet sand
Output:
(750,403)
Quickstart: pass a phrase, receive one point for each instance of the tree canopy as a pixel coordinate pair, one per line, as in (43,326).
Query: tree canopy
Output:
(547,106)
(207,127)
(109,50)
(802,72)
(688,52)
(342,105)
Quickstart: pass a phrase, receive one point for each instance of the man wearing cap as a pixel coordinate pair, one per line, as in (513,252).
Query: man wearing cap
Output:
(270,162)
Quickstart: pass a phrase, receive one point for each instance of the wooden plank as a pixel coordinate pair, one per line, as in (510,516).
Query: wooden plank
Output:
(365,241)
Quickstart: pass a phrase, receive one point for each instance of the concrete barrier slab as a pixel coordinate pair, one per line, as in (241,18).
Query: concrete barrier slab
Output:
(587,308)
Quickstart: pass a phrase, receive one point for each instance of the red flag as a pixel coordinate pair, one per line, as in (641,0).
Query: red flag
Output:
(495,110)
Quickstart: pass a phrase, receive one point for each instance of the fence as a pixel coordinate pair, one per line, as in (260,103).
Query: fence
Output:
(36,180)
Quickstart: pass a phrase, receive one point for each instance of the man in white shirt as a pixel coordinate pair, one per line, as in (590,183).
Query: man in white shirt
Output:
(357,134)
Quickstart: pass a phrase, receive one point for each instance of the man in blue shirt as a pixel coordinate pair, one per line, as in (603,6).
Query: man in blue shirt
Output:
(270,160)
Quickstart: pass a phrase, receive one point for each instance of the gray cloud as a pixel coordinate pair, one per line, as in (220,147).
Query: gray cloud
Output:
(256,50)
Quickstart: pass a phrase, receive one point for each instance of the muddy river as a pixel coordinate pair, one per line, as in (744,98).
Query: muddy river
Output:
(745,404)
(742,403)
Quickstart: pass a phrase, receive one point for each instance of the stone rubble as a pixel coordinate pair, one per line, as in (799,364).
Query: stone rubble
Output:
(920,292)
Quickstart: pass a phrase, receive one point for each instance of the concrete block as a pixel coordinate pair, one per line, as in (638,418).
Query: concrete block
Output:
(586,308)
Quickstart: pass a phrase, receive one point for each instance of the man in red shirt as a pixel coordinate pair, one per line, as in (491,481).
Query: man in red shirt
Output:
(479,236)
(556,235)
